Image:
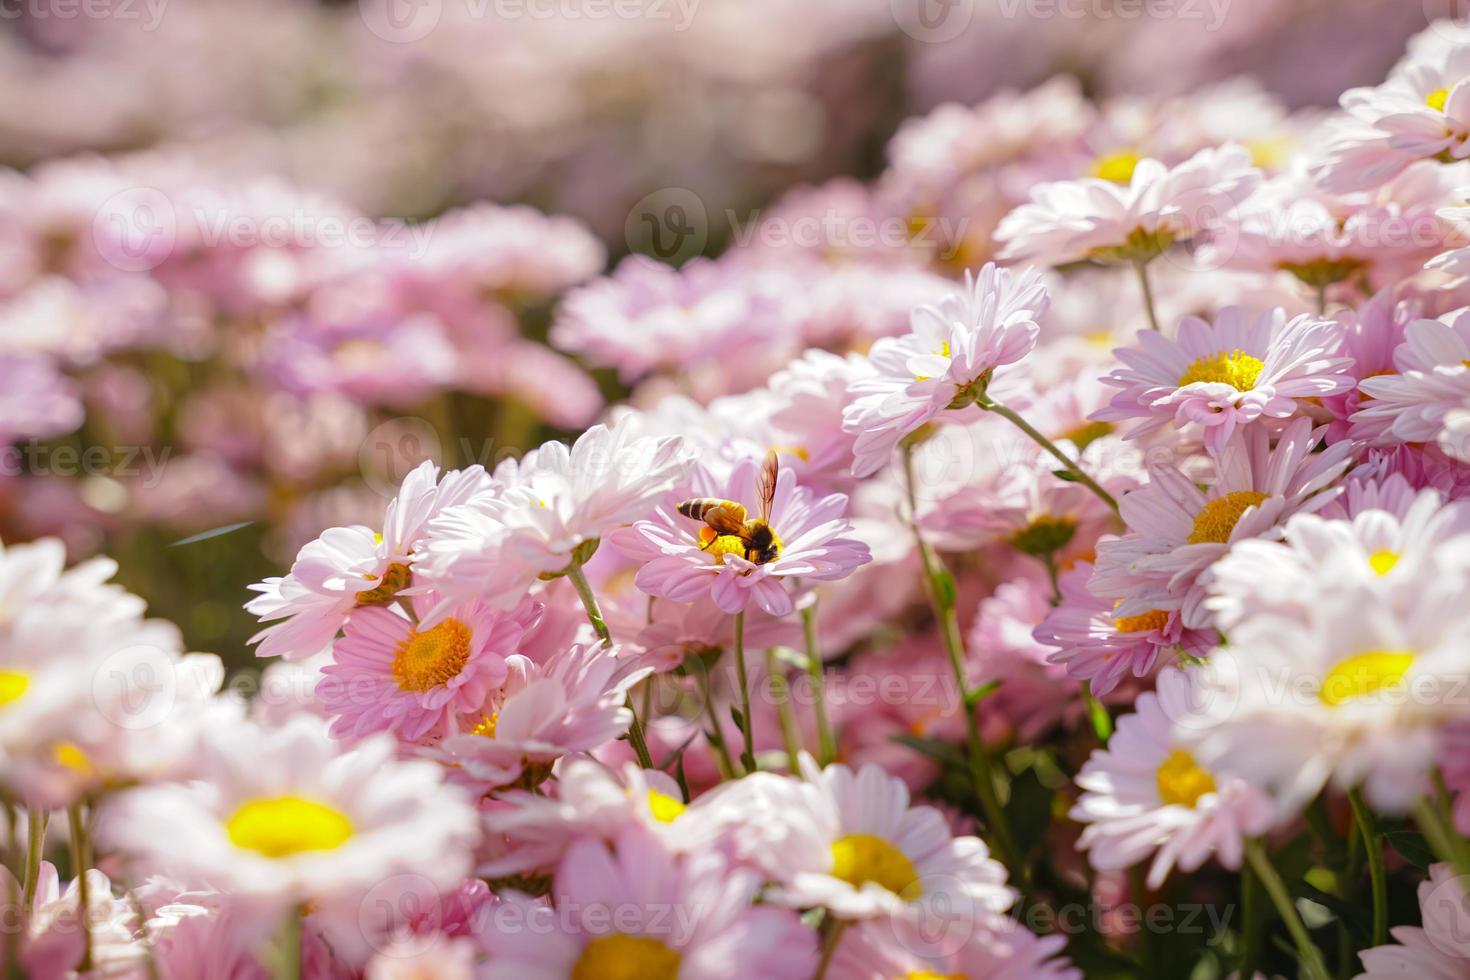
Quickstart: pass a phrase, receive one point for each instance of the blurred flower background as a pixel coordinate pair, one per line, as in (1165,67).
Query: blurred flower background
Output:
(259,260)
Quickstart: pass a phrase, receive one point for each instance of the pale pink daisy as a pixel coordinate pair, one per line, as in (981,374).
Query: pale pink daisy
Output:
(639,911)
(945,362)
(808,398)
(1147,794)
(589,800)
(1420,112)
(1097,645)
(851,842)
(347,568)
(1431,382)
(683,563)
(1224,374)
(574,702)
(1133,221)
(289,816)
(1438,948)
(540,510)
(1176,531)
(393,674)
(992,947)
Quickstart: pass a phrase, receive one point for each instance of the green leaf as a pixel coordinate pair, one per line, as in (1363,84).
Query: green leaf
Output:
(941,751)
(1412,847)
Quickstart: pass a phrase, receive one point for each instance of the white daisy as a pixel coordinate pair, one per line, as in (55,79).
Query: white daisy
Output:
(1423,400)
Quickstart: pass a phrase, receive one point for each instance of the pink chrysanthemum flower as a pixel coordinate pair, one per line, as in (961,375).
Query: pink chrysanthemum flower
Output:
(851,843)
(574,702)
(1439,947)
(611,916)
(994,947)
(348,568)
(1133,219)
(1419,402)
(1176,531)
(1147,793)
(683,561)
(944,362)
(391,674)
(1101,647)
(1224,374)
(1421,112)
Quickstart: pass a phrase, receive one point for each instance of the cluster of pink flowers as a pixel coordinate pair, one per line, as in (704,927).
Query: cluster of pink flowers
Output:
(1108,516)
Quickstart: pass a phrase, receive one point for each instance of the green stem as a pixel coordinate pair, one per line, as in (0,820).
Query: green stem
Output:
(80,862)
(1050,561)
(1148,294)
(14,927)
(939,586)
(1102,722)
(290,968)
(1373,845)
(1448,846)
(747,756)
(990,405)
(826,743)
(722,751)
(829,946)
(599,625)
(38,819)
(1307,952)
(781,693)
(1250,926)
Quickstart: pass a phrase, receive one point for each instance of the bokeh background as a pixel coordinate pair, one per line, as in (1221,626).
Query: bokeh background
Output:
(258,259)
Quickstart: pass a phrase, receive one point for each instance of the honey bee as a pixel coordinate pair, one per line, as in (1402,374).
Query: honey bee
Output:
(727,528)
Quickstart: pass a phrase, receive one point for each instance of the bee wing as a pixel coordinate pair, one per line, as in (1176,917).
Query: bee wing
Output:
(727,518)
(768,484)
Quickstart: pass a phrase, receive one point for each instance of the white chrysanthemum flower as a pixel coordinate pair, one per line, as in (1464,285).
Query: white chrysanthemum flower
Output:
(1146,792)
(954,348)
(1131,220)
(1426,397)
(289,817)
(1357,689)
(1439,949)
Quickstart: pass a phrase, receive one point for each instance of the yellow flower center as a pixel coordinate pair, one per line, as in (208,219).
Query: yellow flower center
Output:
(70,755)
(1237,369)
(13,686)
(1154,619)
(720,545)
(619,957)
(1045,535)
(1383,562)
(285,825)
(1216,519)
(665,808)
(486,725)
(430,658)
(931,975)
(395,579)
(1181,781)
(1117,167)
(1087,433)
(1364,675)
(861,858)
(1436,99)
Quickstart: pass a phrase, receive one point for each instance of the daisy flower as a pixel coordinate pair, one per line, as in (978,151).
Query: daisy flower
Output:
(590,801)
(637,911)
(574,702)
(1176,531)
(1430,383)
(808,398)
(541,509)
(947,359)
(1129,220)
(1374,549)
(347,568)
(994,947)
(1147,793)
(683,560)
(1420,112)
(1439,947)
(393,674)
(289,817)
(1224,374)
(1097,645)
(1356,689)
(851,843)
